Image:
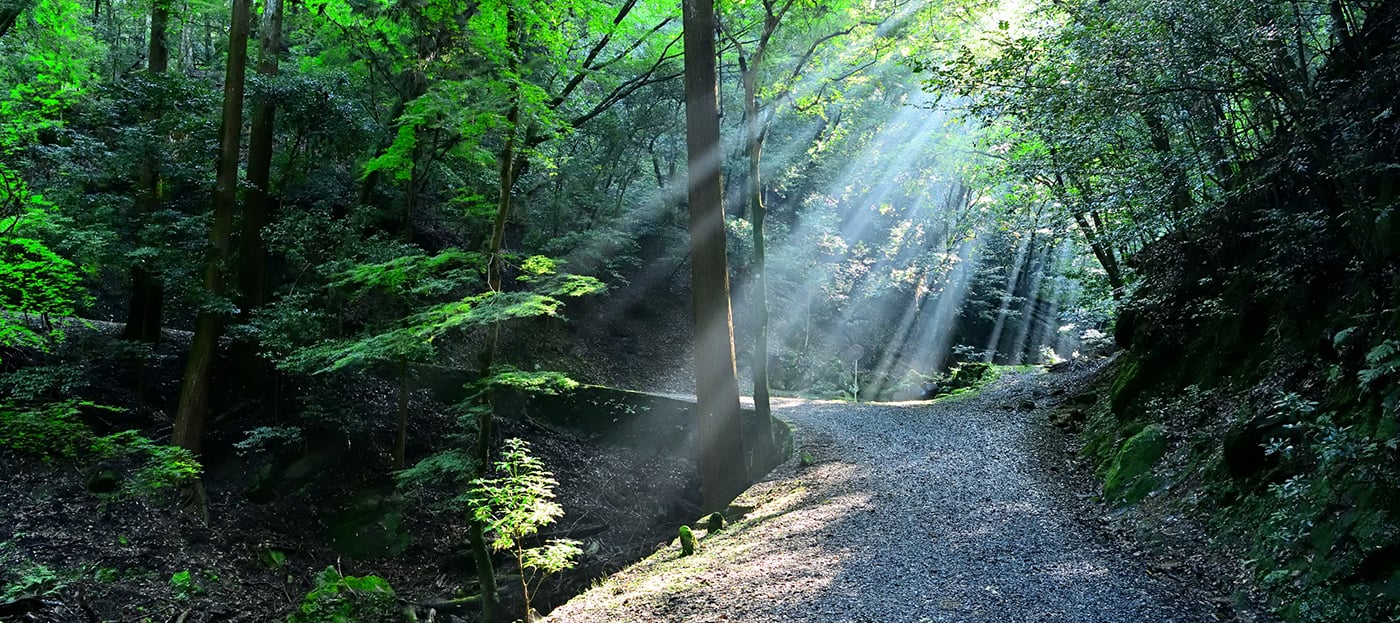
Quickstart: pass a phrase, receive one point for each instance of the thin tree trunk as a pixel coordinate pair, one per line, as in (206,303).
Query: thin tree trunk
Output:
(401,428)
(722,467)
(252,273)
(1103,254)
(485,569)
(191,417)
(763,445)
(147,293)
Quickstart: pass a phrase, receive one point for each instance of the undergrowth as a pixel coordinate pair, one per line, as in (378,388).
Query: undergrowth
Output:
(57,432)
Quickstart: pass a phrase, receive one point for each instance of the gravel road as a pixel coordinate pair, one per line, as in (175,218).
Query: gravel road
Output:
(919,512)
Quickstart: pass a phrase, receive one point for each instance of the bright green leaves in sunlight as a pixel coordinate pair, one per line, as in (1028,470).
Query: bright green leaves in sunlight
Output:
(49,64)
(513,506)
(36,285)
(534,382)
(426,289)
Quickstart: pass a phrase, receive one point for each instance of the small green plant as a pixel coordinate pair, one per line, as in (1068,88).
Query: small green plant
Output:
(273,558)
(513,506)
(806,459)
(347,599)
(687,541)
(32,580)
(184,585)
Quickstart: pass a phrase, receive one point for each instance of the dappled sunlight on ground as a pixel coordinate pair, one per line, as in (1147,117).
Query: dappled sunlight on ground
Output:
(923,512)
(772,545)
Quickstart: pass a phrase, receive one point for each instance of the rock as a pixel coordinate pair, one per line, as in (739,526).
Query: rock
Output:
(1069,419)
(1129,477)
(104,480)
(371,526)
(1244,446)
(1125,328)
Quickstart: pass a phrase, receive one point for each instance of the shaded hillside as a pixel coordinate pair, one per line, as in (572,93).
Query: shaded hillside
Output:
(1262,349)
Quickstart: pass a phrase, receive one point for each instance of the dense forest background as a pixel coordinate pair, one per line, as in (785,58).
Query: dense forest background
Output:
(257,231)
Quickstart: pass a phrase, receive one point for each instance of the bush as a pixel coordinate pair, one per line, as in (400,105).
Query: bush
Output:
(347,599)
(56,432)
(513,507)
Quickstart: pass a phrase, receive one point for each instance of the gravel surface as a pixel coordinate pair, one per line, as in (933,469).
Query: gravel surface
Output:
(918,512)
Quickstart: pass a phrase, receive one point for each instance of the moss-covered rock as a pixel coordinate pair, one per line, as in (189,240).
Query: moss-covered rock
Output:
(1129,477)
(687,538)
(370,526)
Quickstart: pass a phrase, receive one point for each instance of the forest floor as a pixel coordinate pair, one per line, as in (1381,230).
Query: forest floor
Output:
(115,557)
(961,510)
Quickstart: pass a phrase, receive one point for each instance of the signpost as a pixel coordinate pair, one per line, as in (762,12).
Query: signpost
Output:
(855,352)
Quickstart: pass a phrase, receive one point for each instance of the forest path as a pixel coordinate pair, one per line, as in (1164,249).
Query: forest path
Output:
(912,512)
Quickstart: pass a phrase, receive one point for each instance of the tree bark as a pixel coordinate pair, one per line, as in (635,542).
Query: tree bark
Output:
(722,466)
(1103,253)
(252,271)
(495,266)
(401,422)
(763,445)
(191,417)
(147,301)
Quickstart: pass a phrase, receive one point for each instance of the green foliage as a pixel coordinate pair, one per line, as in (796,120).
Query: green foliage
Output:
(272,558)
(53,431)
(34,281)
(185,585)
(56,431)
(30,579)
(449,469)
(417,283)
(687,537)
(967,377)
(536,382)
(38,383)
(1382,361)
(269,439)
(347,599)
(513,506)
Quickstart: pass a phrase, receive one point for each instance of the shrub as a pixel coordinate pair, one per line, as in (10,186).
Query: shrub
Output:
(56,432)
(347,599)
(31,580)
(514,506)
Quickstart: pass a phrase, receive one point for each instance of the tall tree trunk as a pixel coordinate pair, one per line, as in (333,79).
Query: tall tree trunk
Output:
(147,293)
(192,415)
(495,265)
(252,271)
(763,446)
(722,467)
(1103,253)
